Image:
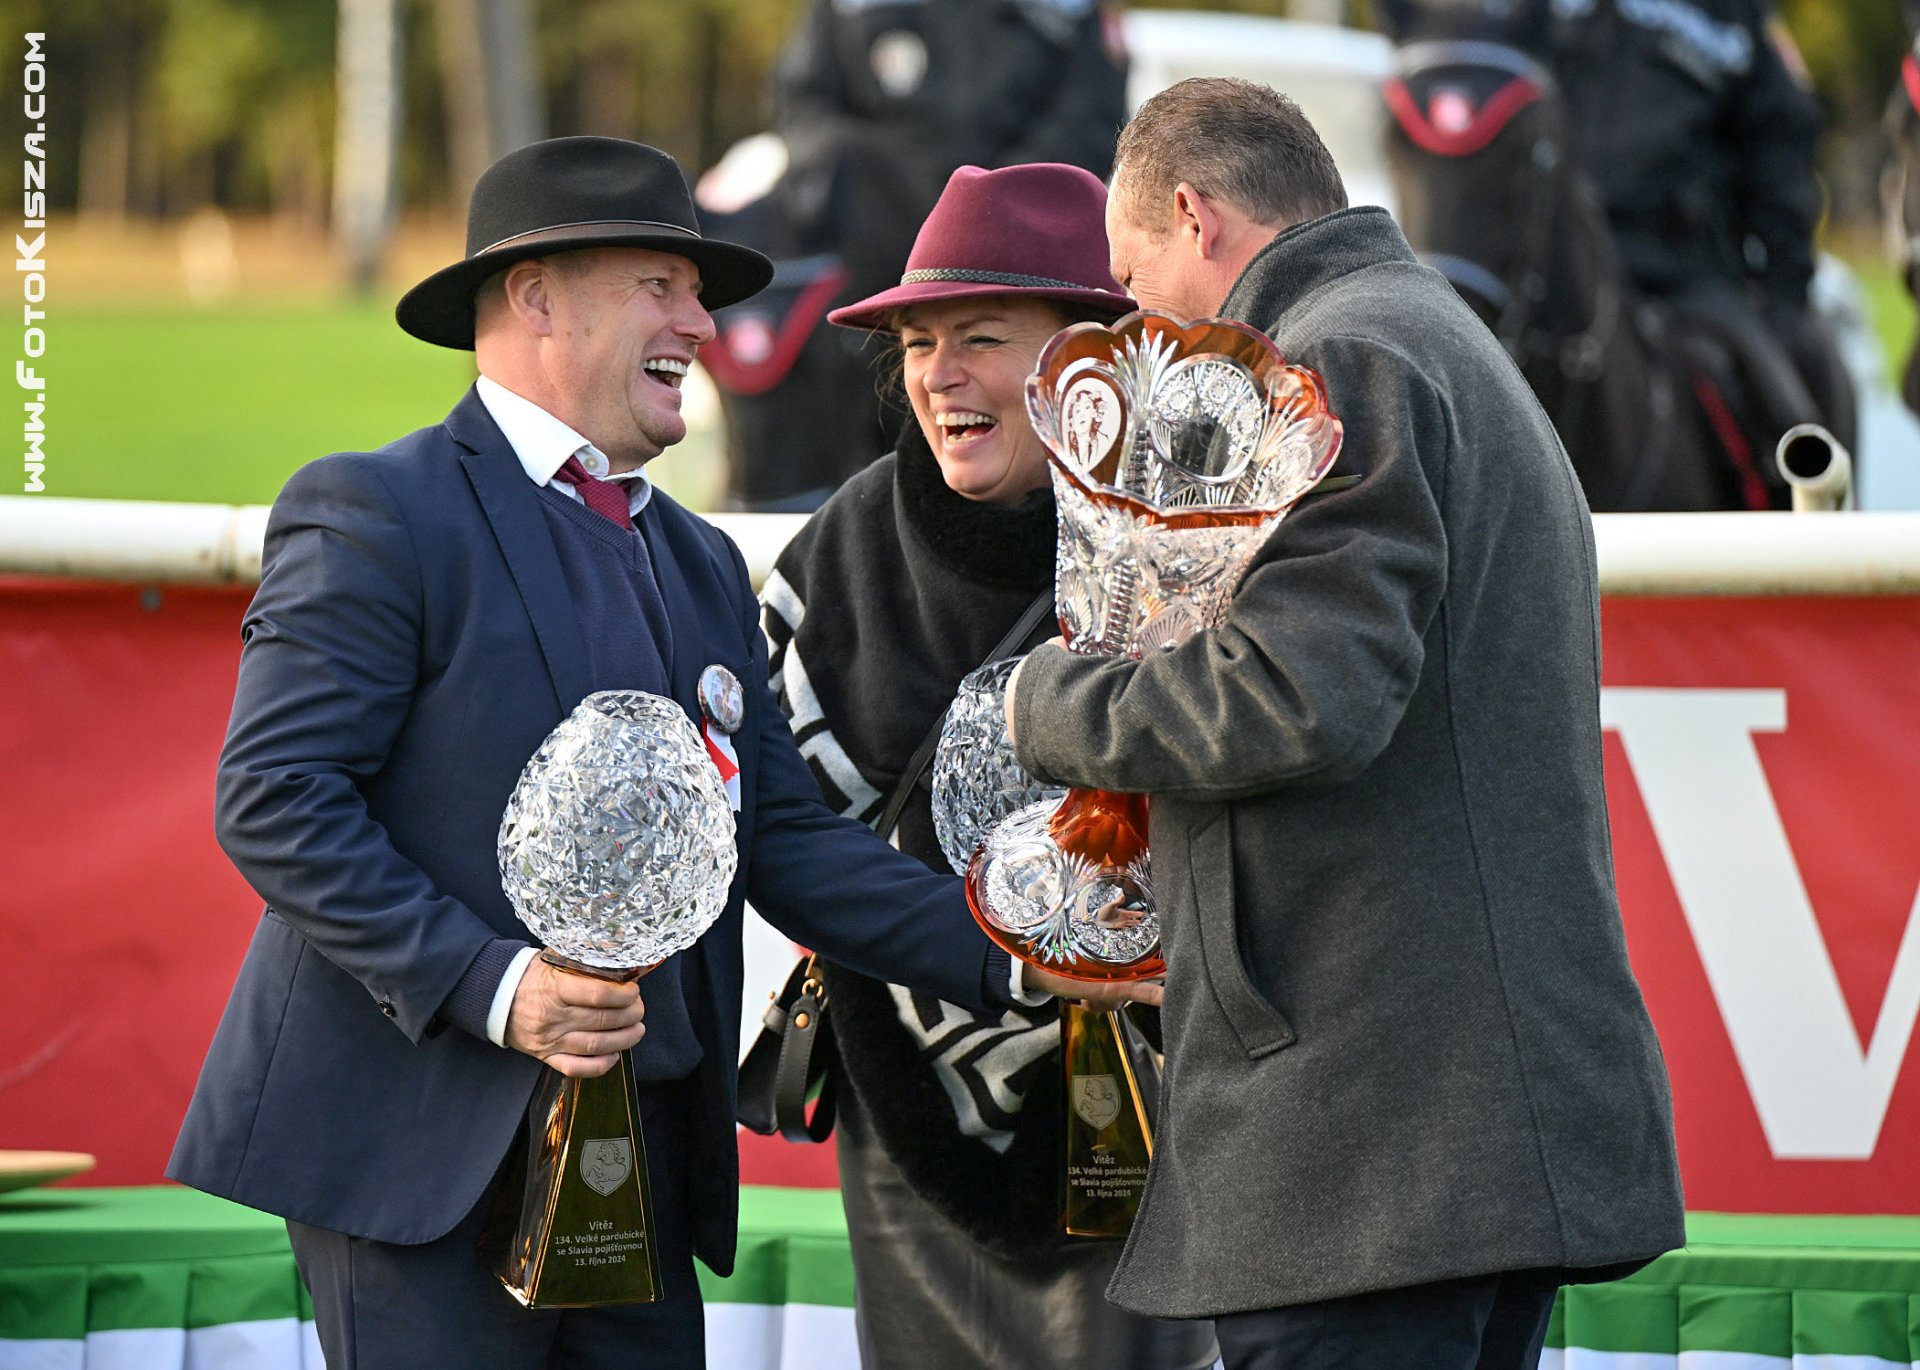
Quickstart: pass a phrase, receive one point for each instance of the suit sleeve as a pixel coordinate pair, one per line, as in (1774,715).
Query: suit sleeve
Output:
(1309,674)
(831,884)
(330,660)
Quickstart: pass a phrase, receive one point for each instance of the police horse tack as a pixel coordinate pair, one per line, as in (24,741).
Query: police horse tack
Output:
(799,396)
(807,404)
(1489,197)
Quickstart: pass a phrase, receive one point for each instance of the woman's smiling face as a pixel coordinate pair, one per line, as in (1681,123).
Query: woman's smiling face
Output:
(965,363)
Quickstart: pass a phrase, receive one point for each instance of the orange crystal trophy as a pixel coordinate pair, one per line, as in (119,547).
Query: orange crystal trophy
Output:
(1176,449)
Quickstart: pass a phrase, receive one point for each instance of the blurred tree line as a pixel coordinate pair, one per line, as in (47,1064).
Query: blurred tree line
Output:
(159,107)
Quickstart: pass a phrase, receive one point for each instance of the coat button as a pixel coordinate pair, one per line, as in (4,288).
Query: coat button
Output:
(386,1008)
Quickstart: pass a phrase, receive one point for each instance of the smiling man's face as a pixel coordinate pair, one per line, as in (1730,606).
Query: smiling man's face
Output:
(626,324)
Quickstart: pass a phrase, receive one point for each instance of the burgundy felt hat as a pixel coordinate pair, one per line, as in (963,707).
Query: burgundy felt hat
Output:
(1038,229)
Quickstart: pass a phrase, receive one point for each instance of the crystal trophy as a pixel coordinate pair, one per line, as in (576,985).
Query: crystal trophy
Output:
(977,781)
(617,850)
(1176,450)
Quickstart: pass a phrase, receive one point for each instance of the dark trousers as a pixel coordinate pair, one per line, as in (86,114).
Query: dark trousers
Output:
(378,1306)
(1486,1322)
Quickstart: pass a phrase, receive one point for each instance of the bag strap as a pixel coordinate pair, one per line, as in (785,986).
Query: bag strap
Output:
(799,1015)
(923,755)
(797,1018)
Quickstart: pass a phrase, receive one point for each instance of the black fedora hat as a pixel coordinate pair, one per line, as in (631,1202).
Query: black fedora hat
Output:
(569,193)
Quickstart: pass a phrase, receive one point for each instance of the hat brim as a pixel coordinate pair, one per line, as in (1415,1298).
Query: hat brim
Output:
(440,309)
(875,313)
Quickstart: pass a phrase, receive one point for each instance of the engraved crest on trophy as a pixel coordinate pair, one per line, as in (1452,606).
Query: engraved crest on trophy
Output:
(605,1163)
(1176,450)
(1096,1098)
(617,850)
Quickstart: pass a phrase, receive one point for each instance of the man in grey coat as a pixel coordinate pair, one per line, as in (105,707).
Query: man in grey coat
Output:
(1411,1085)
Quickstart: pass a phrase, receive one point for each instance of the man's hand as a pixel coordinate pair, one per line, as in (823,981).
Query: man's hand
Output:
(1101,997)
(578,1024)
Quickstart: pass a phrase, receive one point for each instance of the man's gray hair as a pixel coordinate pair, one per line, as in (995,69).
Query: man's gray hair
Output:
(1230,140)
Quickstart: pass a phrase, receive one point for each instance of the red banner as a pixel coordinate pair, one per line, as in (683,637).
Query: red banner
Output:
(121,920)
(1764,779)
(1763,775)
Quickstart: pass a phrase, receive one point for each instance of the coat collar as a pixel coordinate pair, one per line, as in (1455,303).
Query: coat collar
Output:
(1306,258)
(1004,546)
(512,505)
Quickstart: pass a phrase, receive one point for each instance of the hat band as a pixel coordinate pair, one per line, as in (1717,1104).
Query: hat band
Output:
(966,277)
(587,228)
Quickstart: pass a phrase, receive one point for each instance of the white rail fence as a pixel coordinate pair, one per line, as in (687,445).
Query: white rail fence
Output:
(1640,554)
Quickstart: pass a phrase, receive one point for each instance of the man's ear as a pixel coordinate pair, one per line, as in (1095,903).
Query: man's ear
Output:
(529,289)
(1198,222)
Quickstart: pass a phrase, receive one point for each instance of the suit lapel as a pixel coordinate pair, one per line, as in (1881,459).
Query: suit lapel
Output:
(512,507)
(687,627)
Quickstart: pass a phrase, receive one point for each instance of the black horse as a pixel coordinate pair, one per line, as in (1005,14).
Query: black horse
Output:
(1657,410)
(807,405)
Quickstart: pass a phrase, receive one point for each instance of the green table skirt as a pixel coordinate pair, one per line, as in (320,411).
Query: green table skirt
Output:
(153,1278)
(1756,1291)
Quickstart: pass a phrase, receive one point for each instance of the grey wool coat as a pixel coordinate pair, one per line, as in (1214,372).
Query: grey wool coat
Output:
(1403,1040)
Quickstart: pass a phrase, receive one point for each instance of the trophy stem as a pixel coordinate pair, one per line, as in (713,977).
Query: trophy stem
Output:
(1108,1139)
(573,1226)
(619,975)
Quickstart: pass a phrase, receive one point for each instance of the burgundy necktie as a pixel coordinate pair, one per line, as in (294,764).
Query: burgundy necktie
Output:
(604,497)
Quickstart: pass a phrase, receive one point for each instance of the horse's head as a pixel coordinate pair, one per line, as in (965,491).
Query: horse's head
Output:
(1475,149)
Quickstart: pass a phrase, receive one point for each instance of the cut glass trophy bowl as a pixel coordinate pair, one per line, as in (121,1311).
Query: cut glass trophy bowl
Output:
(1176,449)
(617,847)
(617,850)
(977,781)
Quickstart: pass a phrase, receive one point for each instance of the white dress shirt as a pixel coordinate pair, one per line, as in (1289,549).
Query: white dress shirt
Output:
(543,444)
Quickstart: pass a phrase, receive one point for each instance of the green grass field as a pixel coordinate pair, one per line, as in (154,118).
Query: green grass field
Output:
(221,405)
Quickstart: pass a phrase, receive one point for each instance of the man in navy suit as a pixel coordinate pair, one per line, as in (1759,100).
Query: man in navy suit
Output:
(426,614)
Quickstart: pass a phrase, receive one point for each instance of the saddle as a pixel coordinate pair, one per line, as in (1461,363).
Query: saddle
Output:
(1452,99)
(758,341)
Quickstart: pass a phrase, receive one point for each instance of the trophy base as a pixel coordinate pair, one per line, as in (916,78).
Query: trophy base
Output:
(573,1226)
(1108,1139)
(1081,917)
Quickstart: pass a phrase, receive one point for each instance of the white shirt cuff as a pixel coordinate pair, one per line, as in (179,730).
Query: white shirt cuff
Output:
(1017,985)
(503,997)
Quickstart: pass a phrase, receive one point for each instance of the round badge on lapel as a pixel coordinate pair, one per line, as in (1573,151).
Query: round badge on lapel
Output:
(722,699)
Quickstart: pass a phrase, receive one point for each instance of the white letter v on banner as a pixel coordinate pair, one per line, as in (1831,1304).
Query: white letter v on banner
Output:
(1817,1093)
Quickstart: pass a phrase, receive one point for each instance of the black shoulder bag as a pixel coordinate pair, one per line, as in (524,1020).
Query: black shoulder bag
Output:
(792,1060)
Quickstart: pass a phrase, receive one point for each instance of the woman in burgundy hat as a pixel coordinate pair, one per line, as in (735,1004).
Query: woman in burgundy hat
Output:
(949,1143)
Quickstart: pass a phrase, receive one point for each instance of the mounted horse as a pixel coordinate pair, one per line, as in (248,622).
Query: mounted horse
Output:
(876,104)
(803,402)
(1659,409)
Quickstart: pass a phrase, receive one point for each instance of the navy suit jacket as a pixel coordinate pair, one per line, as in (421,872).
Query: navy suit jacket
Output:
(411,643)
